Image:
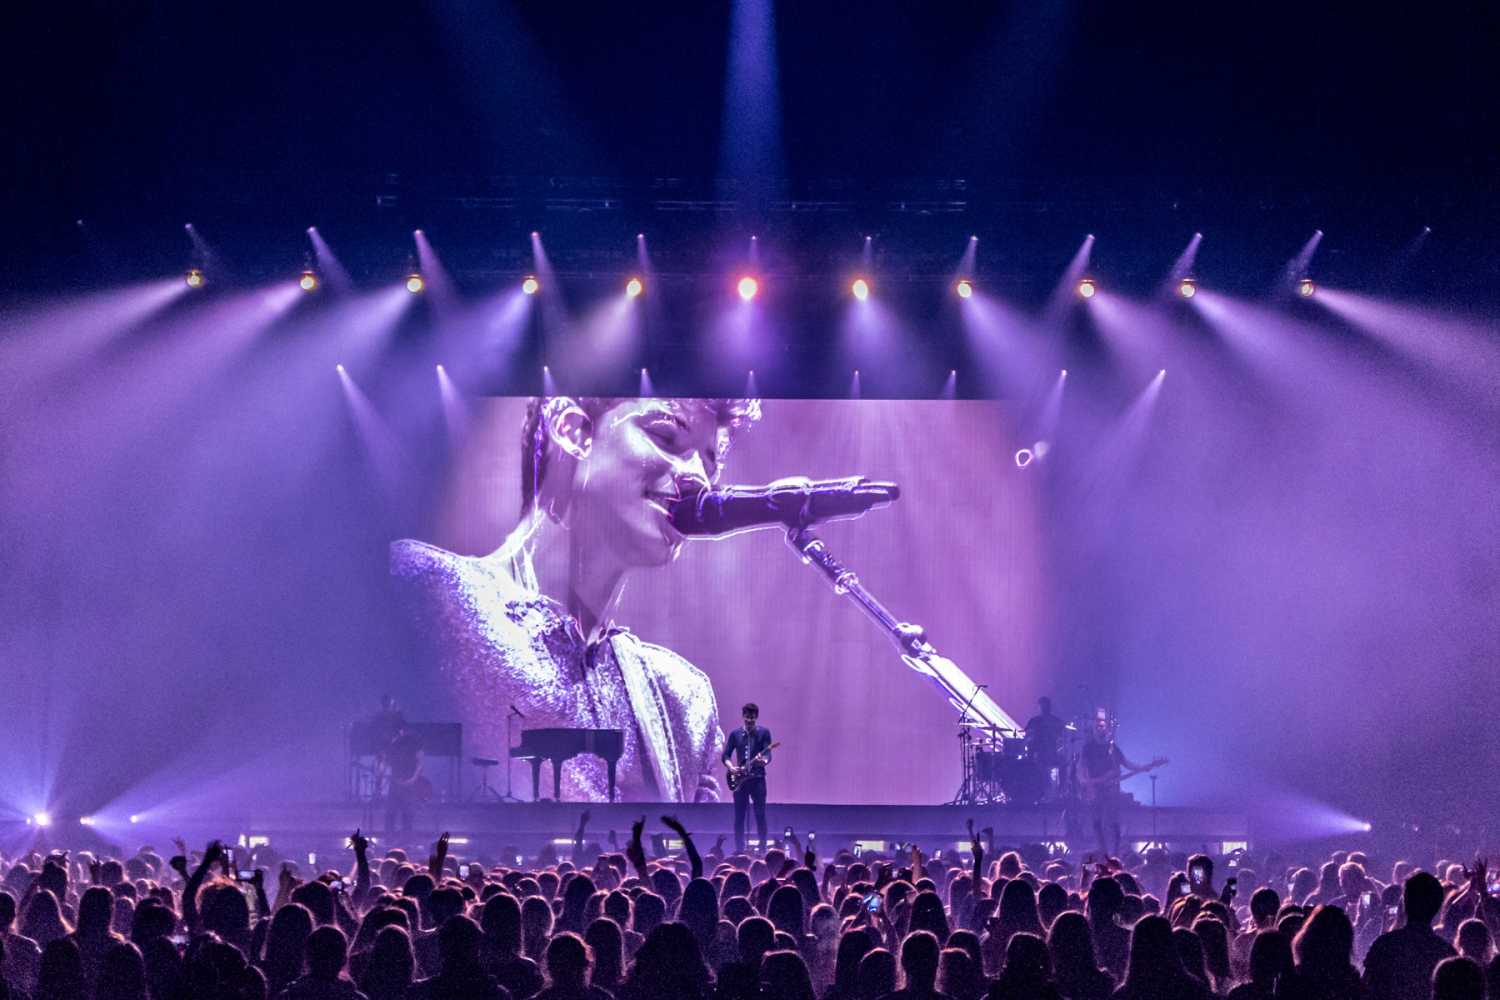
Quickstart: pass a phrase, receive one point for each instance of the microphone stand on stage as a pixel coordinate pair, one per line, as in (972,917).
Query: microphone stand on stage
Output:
(975,708)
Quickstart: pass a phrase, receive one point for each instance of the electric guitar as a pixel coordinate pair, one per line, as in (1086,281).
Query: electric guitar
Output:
(734,775)
(1089,788)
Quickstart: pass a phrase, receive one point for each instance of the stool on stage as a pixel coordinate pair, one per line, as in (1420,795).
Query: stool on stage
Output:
(485,790)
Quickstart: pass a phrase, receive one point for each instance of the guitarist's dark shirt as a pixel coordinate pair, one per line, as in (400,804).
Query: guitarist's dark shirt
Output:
(745,747)
(1100,759)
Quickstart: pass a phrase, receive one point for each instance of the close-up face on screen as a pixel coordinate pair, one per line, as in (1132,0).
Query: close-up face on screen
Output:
(703,625)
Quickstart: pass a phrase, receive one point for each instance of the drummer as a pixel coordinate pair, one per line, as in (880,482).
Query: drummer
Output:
(1044,738)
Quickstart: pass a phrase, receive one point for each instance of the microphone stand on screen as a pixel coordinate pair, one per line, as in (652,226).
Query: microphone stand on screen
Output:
(974,706)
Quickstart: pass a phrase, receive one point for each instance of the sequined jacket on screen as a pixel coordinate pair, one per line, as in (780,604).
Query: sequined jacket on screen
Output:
(496,644)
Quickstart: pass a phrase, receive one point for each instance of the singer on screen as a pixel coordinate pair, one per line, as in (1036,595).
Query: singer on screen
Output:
(531,623)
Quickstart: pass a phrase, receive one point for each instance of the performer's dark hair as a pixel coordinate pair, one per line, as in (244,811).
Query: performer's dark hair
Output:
(730,413)
(751,708)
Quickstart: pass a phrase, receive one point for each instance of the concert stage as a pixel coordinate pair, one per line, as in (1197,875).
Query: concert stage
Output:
(528,826)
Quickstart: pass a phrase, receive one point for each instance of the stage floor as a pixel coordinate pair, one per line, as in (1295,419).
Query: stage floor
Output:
(529,825)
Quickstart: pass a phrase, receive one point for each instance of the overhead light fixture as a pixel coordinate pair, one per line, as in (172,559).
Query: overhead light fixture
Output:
(964,288)
(194,277)
(414,283)
(1087,288)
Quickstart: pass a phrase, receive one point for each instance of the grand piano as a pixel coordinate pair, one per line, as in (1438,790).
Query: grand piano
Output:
(561,745)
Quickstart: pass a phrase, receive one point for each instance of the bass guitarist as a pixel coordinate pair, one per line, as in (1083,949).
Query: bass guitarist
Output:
(1102,766)
(746,754)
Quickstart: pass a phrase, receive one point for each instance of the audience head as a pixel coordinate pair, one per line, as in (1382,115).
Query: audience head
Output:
(959,974)
(784,974)
(1474,941)
(1104,899)
(1270,957)
(1458,978)
(1423,898)
(876,976)
(756,935)
(853,946)
(327,951)
(1026,960)
(1153,955)
(122,974)
(568,961)
(1325,942)
(919,960)
(1264,904)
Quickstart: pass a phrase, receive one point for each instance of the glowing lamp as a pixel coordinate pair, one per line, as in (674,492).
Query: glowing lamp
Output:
(860,288)
(965,288)
(308,282)
(1087,288)
(415,284)
(1188,288)
(634,288)
(1305,288)
(530,285)
(42,819)
(194,277)
(748,286)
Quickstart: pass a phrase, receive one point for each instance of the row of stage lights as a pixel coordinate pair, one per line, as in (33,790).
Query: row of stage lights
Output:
(44,820)
(747,287)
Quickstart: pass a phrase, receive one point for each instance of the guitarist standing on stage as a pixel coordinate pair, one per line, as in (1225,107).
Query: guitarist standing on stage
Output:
(750,748)
(1101,761)
(405,789)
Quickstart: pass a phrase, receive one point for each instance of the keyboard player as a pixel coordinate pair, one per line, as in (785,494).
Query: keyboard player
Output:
(532,623)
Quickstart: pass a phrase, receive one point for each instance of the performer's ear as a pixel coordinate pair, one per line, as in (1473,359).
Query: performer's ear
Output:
(569,428)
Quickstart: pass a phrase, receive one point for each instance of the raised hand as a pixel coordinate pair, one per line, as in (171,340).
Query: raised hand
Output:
(634,852)
(440,855)
(359,841)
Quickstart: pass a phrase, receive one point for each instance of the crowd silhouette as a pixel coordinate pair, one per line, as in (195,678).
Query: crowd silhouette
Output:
(617,925)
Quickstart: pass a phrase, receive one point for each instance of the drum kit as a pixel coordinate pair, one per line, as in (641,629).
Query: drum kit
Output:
(1002,767)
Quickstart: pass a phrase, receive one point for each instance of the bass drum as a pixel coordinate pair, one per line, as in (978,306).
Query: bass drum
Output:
(1023,780)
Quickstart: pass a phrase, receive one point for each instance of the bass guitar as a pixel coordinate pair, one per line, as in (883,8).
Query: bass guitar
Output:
(1089,788)
(734,776)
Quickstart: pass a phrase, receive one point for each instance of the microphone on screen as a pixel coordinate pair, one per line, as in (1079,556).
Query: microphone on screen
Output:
(794,502)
